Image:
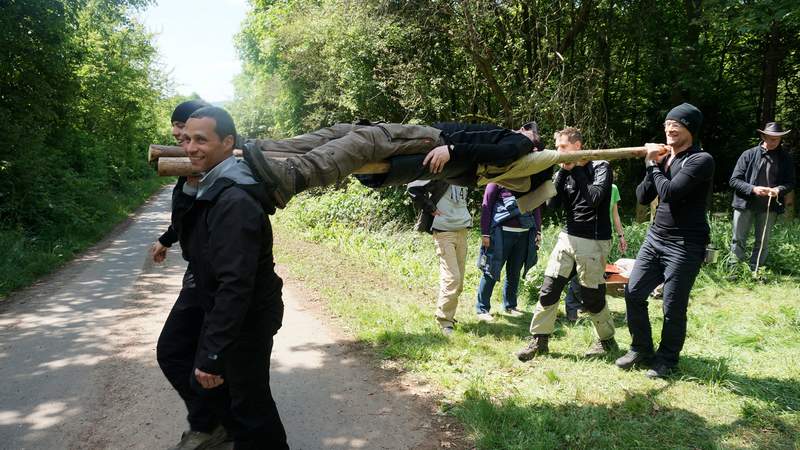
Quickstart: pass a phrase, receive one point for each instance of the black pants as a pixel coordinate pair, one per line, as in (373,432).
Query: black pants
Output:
(245,400)
(676,264)
(175,353)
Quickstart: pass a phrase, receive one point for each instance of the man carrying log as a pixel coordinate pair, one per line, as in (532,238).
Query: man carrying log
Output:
(584,191)
(227,238)
(675,245)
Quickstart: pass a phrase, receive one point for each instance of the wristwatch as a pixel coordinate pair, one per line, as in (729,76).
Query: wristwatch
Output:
(651,163)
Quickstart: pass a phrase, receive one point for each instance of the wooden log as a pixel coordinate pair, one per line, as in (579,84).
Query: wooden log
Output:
(173,166)
(170,151)
(175,162)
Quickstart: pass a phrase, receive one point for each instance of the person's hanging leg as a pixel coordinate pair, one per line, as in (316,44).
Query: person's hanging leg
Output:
(647,273)
(304,143)
(742,225)
(333,161)
(762,219)
(682,261)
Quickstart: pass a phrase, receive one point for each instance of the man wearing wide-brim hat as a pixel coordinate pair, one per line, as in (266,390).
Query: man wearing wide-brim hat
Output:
(761,172)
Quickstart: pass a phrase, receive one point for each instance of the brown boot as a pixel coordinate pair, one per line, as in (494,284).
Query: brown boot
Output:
(600,348)
(536,346)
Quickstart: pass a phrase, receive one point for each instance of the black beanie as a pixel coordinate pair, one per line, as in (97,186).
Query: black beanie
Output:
(185,109)
(689,116)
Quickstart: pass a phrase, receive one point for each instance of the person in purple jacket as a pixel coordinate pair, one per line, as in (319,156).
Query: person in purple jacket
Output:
(508,237)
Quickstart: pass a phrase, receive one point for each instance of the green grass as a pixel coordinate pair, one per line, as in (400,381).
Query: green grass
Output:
(26,257)
(739,381)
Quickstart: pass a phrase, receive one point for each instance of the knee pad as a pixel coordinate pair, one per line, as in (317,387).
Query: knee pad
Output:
(551,289)
(594,299)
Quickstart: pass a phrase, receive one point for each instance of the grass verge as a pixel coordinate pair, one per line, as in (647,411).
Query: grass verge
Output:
(27,257)
(739,382)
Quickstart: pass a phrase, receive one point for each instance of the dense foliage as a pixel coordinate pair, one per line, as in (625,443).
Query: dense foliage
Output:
(80,99)
(611,68)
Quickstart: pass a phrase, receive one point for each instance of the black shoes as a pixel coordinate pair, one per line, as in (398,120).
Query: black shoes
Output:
(634,358)
(660,370)
(601,348)
(536,346)
(277,175)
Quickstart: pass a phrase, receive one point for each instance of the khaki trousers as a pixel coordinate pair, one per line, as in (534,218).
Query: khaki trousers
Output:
(329,155)
(451,247)
(586,258)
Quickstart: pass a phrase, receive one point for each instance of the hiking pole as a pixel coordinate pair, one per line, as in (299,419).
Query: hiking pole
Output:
(763,235)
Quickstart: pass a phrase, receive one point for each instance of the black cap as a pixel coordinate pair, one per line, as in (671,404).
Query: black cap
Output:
(688,115)
(185,109)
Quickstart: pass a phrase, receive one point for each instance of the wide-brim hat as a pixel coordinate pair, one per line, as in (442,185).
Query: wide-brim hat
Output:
(774,129)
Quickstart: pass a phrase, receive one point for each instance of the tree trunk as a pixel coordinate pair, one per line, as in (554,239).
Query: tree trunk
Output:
(773,56)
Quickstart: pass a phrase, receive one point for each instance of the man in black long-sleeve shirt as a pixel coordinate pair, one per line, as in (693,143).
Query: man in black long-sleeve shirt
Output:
(680,174)
(584,190)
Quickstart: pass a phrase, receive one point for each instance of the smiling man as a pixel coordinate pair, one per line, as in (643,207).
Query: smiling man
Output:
(227,238)
(680,174)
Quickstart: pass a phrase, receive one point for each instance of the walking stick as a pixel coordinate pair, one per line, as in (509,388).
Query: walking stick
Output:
(763,235)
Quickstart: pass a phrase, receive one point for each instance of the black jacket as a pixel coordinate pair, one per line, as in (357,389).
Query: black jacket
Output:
(585,193)
(227,239)
(425,198)
(746,170)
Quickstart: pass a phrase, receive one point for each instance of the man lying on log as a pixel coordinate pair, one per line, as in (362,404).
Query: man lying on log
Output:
(467,155)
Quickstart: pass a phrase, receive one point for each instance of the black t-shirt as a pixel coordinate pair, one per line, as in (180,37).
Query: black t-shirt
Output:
(585,193)
(683,192)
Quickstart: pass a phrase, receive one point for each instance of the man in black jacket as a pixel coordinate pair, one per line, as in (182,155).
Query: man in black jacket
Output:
(227,239)
(680,174)
(584,191)
(764,171)
(177,342)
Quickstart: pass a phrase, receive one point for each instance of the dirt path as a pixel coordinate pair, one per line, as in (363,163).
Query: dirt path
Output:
(77,360)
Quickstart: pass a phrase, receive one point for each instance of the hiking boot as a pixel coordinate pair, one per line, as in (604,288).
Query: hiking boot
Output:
(660,370)
(198,440)
(536,346)
(447,331)
(276,174)
(514,312)
(600,348)
(633,358)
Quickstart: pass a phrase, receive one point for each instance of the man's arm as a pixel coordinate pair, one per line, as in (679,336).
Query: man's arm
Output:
(560,182)
(599,188)
(236,226)
(697,169)
(738,179)
(646,191)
